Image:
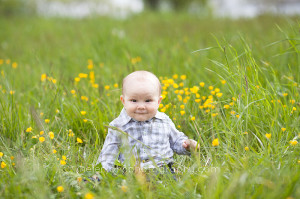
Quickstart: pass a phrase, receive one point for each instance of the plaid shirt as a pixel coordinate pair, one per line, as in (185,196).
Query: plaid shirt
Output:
(158,135)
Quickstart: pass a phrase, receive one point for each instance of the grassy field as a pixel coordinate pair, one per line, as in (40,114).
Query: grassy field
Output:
(232,85)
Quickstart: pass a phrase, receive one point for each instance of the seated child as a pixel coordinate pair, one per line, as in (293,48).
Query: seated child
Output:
(140,118)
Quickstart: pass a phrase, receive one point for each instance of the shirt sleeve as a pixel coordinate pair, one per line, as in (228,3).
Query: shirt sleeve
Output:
(110,150)
(176,140)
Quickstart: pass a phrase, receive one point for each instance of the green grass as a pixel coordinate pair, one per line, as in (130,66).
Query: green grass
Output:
(258,58)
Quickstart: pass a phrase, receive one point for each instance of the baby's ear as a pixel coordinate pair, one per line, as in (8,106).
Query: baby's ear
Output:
(122,99)
(159,99)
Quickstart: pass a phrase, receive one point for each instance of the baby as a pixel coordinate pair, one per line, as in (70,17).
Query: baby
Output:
(153,137)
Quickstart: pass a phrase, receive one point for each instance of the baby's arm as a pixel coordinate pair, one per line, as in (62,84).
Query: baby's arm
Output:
(190,145)
(110,150)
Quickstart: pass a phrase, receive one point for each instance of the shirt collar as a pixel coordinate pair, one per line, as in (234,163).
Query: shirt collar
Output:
(124,118)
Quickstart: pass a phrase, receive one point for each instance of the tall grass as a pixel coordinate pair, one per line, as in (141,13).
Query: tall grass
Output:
(252,63)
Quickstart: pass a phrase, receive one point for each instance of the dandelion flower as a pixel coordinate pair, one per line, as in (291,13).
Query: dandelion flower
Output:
(210,87)
(202,84)
(226,106)
(79,140)
(175,76)
(285,94)
(60,189)
(41,132)
(62,162)
(116,85)
(294,109)
(54,151)
(182,112)
(124,188)
(82,112)
(238,116)
(219,94)
(47,121)
(73,91)
(88,196)
(283,129)
(193,118)
(79,179)
(106,87)
(57,111)
(63,157)
(51,135)
(83,75)
(3,165)
(183,77)
(293,142)
(29,129)
(234,99)
(246,148)
(223,81)
(11,92)
(182,106)
(41,139)
(1,154)
(215,142)
(77,79)
(268,135)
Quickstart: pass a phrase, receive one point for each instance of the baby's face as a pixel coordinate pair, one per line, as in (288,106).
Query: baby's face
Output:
(141,99)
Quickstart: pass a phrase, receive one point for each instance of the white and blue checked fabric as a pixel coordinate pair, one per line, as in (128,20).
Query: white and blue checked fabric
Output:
(158,133)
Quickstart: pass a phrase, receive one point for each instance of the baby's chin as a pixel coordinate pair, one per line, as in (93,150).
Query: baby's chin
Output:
(142,117)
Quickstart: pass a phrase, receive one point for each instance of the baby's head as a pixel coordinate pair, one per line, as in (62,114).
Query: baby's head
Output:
(141,95)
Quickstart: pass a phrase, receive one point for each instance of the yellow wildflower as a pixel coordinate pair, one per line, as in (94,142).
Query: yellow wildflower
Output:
(82,112)
(41,139)
(238,116)
(124,188)
(285,94)
(226,106)
(73,92)
(41,132)
(219,94)
(106,87)
(215,142)
(175,76)
(95,85)
(60,189)
(294,109)
(210,87)
(54,151)
(77,79)
(182,106)
(29,129)
(268,135)
(11,92)
(1,154)
(47,121)
(83,75)
(193,118)
(234,99)
(3,165)
(202,84)
(51,135)
(183,77)
(283,129)
(182,112)
(63,157)
(79,140)
(223,81)
(62,162)
(197,100)
(79,179)
(246,148)
(88,196)
(116,85)
(293,142)
(84,120)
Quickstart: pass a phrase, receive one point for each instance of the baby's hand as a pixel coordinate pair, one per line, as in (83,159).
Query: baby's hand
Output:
(190,144)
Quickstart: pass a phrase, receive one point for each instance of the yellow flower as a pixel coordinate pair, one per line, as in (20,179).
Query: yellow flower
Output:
(182,112)
(245,132)
(215,142)
(11,92)
(193,118)
(223,81)
(202,84)
(7,61)
(213,92)
(71,134)
(79,179)
(217,90)
(226,106)
(210,87)
(219,94)
(62,162)
(54,81)
(41,132)
(77,79)
(1,154)
(14,65)
(82,112)
(51,135)
(54,151)
(88,196)
(183,77)
(175,76)
(3,165)
(47,121)
(83,75)
(60,189)
(292,101)
(182,106)
(234,99)
(106,87)
(29,129)
(293,142)
(246,148)
(232,112)
(84,120)
(12,157)
(268,135)
(294,109)
(41,114)
(95,85)
(73,92)
(116,85)
(283,129)
(237,116)
(285,94)
(124,188)
(43,77)
(41,139)
(63,157)
(79,140)
(57,111)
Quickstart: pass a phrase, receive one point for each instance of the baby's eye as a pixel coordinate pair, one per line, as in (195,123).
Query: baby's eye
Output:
(133,100)
(148,100)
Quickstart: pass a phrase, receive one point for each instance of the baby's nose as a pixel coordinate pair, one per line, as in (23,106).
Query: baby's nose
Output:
(141,106)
